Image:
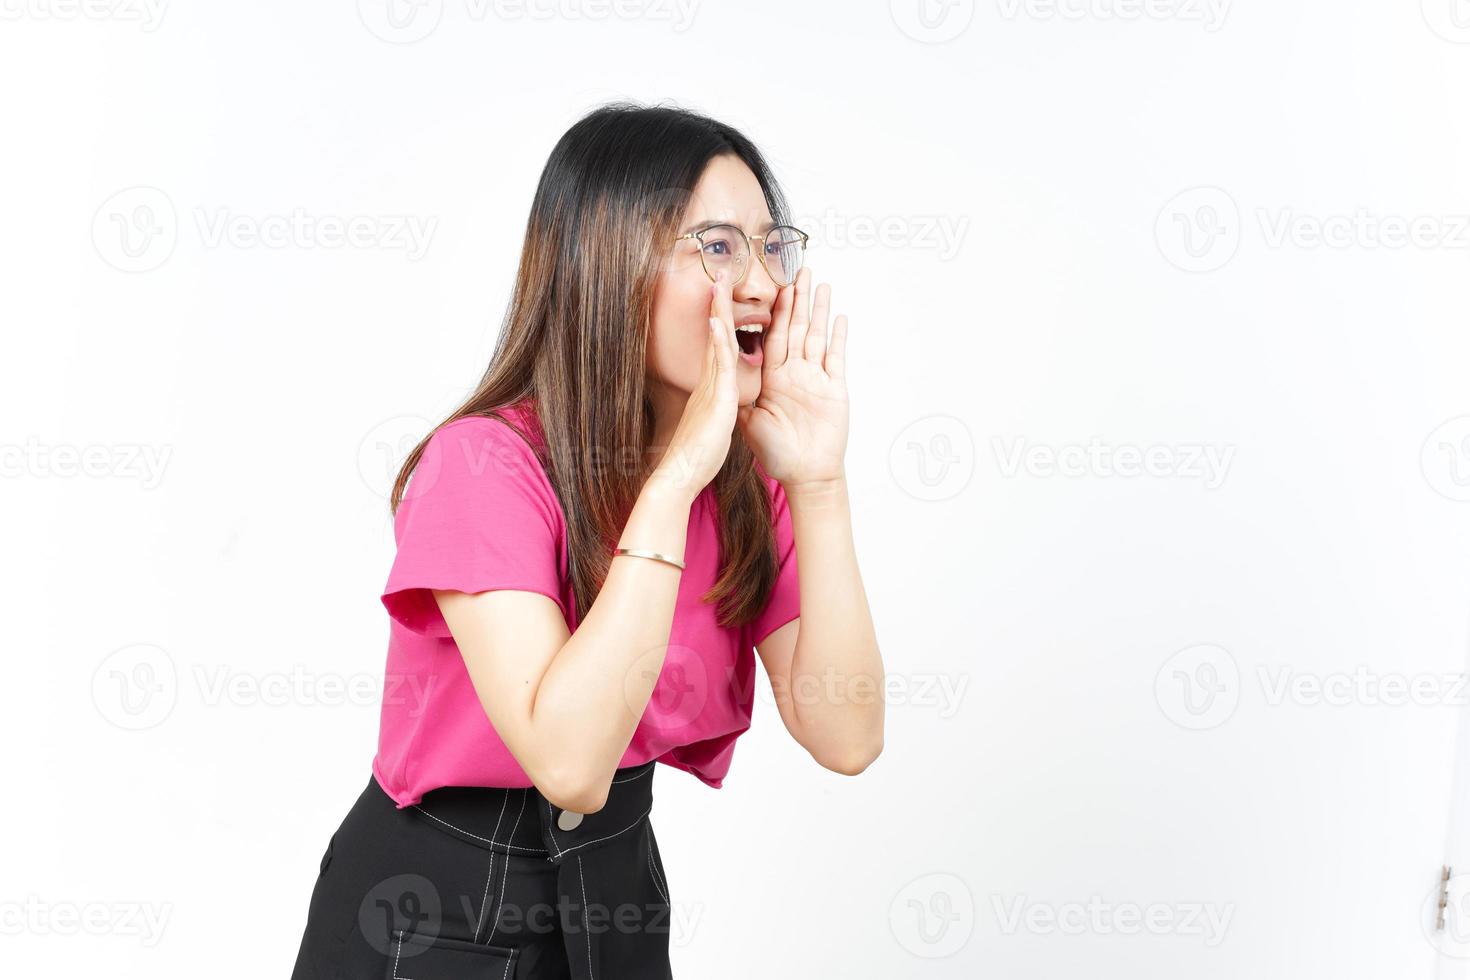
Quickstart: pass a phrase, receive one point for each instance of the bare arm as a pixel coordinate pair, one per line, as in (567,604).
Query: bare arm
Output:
(825,669)
(566,705)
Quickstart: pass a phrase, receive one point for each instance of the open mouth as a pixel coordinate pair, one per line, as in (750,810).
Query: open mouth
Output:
(751,338)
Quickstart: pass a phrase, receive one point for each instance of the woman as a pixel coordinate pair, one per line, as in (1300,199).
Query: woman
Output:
(533,679)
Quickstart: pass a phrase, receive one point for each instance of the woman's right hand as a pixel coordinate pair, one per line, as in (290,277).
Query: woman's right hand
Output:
(701,440)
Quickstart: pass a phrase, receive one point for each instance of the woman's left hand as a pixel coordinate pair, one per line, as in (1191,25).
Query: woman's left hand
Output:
(797,427)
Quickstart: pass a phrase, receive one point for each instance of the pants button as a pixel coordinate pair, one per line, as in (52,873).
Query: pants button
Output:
(569,820)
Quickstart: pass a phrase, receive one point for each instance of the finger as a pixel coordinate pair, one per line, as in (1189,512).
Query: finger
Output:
(723,305)
(773,346)
(724,379)
(711,364)
(836,362)
(800,320)
(816,335)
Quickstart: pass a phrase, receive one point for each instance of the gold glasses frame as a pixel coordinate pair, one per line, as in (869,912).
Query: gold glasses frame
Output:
(750,244)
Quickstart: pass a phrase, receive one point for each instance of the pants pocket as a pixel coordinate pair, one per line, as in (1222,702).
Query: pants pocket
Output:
(656,868)
(419,957)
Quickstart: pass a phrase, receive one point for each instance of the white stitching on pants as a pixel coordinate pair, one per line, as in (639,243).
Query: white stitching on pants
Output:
(659,874)
(396,955)
(652,844)
(586,928)
(513,847)
(500,902)
(648,852)
(480,916)
(551,827)
(629,779)
(489,876)
(563,853)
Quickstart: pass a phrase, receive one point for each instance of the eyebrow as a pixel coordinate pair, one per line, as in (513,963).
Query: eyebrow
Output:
(721,221)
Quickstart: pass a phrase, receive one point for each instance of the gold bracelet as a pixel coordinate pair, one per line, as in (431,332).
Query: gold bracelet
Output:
(640,553)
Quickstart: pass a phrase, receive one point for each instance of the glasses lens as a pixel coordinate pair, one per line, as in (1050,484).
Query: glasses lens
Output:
(785,248)
(724,247)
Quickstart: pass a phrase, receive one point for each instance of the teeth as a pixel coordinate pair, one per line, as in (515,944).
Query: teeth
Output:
(752,328)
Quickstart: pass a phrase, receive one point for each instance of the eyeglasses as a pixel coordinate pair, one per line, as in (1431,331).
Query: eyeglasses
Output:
(727,247)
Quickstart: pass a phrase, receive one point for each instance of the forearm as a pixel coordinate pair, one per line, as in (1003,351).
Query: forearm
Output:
(836,670)
(593,694)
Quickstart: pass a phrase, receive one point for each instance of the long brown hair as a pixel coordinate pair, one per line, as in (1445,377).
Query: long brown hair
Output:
(575,336)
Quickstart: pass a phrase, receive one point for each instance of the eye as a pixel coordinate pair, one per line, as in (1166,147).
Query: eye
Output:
(721,242)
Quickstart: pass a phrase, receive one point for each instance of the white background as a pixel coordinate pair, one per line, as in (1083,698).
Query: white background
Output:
(1065,232)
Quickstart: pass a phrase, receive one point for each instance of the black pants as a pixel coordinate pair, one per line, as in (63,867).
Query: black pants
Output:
(492,883)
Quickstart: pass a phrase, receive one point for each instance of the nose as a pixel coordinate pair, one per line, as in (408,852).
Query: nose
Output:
(757,287)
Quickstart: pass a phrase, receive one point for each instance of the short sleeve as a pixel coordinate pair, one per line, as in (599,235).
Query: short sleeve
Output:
(784,604)
(478,514)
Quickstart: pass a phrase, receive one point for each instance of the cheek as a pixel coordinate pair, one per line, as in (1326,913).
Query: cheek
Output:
(680,314)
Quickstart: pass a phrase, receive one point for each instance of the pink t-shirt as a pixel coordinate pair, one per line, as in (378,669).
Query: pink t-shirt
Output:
(478,514)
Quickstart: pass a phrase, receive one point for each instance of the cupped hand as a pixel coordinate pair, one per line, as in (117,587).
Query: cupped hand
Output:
(701,439)
(797,427)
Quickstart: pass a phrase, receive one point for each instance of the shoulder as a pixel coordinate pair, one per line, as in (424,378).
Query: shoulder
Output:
(481,455)
(498,423)
(505,438)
